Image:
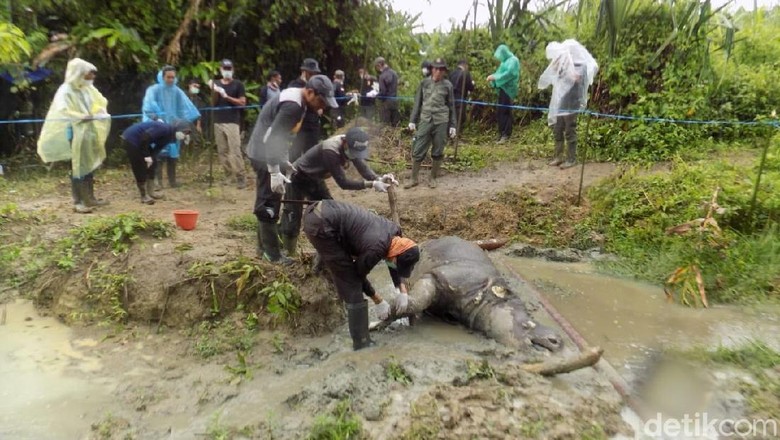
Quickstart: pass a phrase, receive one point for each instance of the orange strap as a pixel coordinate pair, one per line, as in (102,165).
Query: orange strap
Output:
(399,245)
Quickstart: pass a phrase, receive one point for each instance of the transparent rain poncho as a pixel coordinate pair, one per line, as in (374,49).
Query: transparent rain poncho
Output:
(77,124)
(168,103)
(571,71)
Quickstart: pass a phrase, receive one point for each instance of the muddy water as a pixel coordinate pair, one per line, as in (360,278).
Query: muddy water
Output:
(630,319)
(42,373)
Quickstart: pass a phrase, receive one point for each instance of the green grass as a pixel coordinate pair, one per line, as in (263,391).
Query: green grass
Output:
(243,222)
(396,372)
(340,424)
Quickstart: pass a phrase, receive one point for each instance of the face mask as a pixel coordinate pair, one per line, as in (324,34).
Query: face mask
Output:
(180,135)
(89,82)
(227,74)
(425,71)
(194,90)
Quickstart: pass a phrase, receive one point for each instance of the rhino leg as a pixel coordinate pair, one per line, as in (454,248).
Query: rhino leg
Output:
(421,296)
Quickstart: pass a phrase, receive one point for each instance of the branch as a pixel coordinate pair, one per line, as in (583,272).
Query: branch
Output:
(173,51)
(559,366)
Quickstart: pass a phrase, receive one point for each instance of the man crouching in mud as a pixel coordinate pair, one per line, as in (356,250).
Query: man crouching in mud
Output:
(351,241)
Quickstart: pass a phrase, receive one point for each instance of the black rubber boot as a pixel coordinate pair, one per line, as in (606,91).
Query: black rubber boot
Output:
(151,191)
(91,200)
(357,318)
(170,165)
(80,192)
(158,174)
(290,245)
(145,198)
(435,170)
(271,245)
(415,175)
(260,239)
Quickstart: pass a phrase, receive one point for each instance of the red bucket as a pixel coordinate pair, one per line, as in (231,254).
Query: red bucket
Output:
(186,218)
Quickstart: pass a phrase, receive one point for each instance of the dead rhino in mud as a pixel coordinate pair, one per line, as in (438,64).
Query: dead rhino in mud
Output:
(455,279)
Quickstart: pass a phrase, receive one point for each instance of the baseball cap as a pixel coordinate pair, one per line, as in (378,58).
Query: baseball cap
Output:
(357,143)
(226,63)
(310,65)
(324,87)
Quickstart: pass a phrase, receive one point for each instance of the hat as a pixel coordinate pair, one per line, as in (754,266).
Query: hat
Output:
(226,63)
(339,73)
(357,143)
(439,63)
(379,60)
(310,65)
(324,87)
(406,261)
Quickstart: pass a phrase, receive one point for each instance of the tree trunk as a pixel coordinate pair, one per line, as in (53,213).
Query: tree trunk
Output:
(173,51)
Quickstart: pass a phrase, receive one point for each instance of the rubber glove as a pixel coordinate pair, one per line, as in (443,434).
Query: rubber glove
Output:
(148,161)
(401,302)
(382,310)
(380,186)
(277,179)
(372,94)
(390,179)
(453,132)
(412,126)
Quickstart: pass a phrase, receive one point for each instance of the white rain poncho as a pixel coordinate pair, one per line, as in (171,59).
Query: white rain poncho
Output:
(571,71)
(77,124)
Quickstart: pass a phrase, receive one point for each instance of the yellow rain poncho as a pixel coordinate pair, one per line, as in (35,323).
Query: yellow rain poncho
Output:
(77,124)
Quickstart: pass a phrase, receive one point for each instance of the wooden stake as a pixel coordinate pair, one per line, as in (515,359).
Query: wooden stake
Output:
(552,367)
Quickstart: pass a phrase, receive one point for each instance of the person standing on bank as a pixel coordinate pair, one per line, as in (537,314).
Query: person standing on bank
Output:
(329,158)
(388,93)
(76,129)
(311,127)
(434,112)
(571,71)
(227,94)
(505,80)
(351,241)
(272,87)
(165,101)
(462,86)
(340,93)
(142,141)
(269,153)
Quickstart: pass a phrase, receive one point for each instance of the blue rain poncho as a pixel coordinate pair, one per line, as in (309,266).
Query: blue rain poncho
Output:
(168,103)
(77,124)
(571,71)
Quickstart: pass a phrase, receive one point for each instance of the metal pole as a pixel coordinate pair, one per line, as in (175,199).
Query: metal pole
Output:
(460,111)
(584,156)
(211,106)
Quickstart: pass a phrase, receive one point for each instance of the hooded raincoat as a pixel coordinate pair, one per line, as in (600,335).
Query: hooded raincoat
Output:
(507,76)
(168,103)
(77,124)
(571,71)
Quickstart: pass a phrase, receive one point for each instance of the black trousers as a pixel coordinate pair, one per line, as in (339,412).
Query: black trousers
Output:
(349,285)
(504,114)
(390,114)
(301,188)
(306,138)
(267,203)
(141,172)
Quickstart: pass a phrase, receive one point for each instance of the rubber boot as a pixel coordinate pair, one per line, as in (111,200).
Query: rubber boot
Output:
(170,164)
(158,174)
(240,182)
(271,244)
(260,239)
(317,265)
(357,318)
(435,169)
(79,189)
(557,154)
(151,191)
(145,198)
(571,156)
(415,175)
(290,245)
(91,200)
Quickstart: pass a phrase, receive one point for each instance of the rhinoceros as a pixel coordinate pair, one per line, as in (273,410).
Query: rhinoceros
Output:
(455,279)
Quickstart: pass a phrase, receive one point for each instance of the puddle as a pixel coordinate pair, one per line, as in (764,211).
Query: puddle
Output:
(630,319)
(42,373)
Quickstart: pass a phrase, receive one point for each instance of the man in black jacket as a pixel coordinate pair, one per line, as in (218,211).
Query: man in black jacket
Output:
(388,93)
(329,158)
(269,153)
(351,241)
(311,128)
(462,86)
(142,141)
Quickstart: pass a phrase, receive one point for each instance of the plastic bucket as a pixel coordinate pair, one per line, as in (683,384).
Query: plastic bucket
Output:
(185,218)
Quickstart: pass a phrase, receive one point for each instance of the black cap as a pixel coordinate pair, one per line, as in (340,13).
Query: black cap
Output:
(439,63)
(324,87)
(405,262)
(426,64)
(226,63)
(357,143)
(310,65)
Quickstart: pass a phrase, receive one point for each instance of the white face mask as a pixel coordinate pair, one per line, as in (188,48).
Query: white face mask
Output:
(227,74)
(194,90)
(89,82)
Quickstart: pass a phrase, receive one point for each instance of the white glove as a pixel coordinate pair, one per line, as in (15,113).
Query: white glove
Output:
(221,91)
(354,99)
(401,302)
(210,83)
(382,310)
(389,178)
(372,94)
(148,161)
(453,132)
(412,126)
(277,179)
(380,186)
